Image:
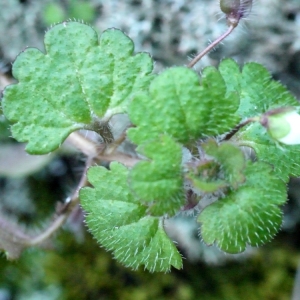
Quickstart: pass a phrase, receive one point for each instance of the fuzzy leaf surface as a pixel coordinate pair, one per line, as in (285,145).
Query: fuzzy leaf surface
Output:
(80,78)
(258,94)
(179,106)
(224,167)
(249,215)
(159,180)
(284,158)
(257,91)
(121,224)
(230,158)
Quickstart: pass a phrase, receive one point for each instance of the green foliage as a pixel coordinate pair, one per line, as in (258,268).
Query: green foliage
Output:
(179,106)
(258,94)
(257,91)
(223,169)
(284,158)
(231,160)
(121,225)
(249,215)
(160,180)
(186,134)
(65,90)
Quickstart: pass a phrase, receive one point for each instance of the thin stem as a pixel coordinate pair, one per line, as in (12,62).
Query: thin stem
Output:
(124,159)
(57,223)
(64,211)
(88,147)
(230,134)
(212,45)
(116,143)
(85,145)
(91,149)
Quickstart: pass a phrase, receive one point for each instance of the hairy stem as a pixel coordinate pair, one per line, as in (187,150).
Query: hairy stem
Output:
(92,149)
(83,144)
(63,211)
(211,46)
(230,134)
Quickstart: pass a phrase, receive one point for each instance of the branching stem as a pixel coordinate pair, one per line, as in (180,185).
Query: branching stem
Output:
(98,151)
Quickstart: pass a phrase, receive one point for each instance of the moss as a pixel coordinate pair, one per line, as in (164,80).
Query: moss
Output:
(83,271)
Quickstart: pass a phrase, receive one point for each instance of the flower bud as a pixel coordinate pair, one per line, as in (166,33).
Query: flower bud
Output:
(235,10)
(229,6)
(283,125)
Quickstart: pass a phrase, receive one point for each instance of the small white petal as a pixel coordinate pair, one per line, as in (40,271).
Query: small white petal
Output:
(293,137)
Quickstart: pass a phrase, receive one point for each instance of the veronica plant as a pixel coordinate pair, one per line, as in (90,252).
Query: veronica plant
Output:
(173,140)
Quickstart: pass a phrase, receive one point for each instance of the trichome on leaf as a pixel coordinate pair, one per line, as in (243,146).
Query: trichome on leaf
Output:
(184,140)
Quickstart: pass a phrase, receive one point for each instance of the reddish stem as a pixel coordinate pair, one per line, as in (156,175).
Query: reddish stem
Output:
(212,45)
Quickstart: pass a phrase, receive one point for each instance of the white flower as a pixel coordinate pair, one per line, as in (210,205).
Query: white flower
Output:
(283,124)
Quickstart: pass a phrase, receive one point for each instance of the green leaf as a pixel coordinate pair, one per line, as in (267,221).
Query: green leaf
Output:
(284,158)
(257,91)
(177,105)
(249,215)
(206,186)
(258,94)
(223,167)
(230,158)
(159,180)
(79,80)
(120,223)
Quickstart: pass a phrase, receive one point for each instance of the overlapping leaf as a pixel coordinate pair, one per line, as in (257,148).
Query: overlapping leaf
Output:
(120,223)
(258,94)
(231,159)
(249,215)
(224,167)
(284,158)
(80,78)
(177,105)
(159,180)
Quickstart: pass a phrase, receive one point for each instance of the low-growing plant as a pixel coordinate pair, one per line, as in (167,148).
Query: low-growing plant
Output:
(220,145)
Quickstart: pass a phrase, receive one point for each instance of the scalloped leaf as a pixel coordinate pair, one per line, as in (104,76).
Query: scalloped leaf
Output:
(121,224)
(177,105)
(80,79)
(258,94)
(249,215)
(284,158)
(257,91)
(160,180)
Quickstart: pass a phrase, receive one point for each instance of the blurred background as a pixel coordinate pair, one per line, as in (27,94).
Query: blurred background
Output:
(74,266)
